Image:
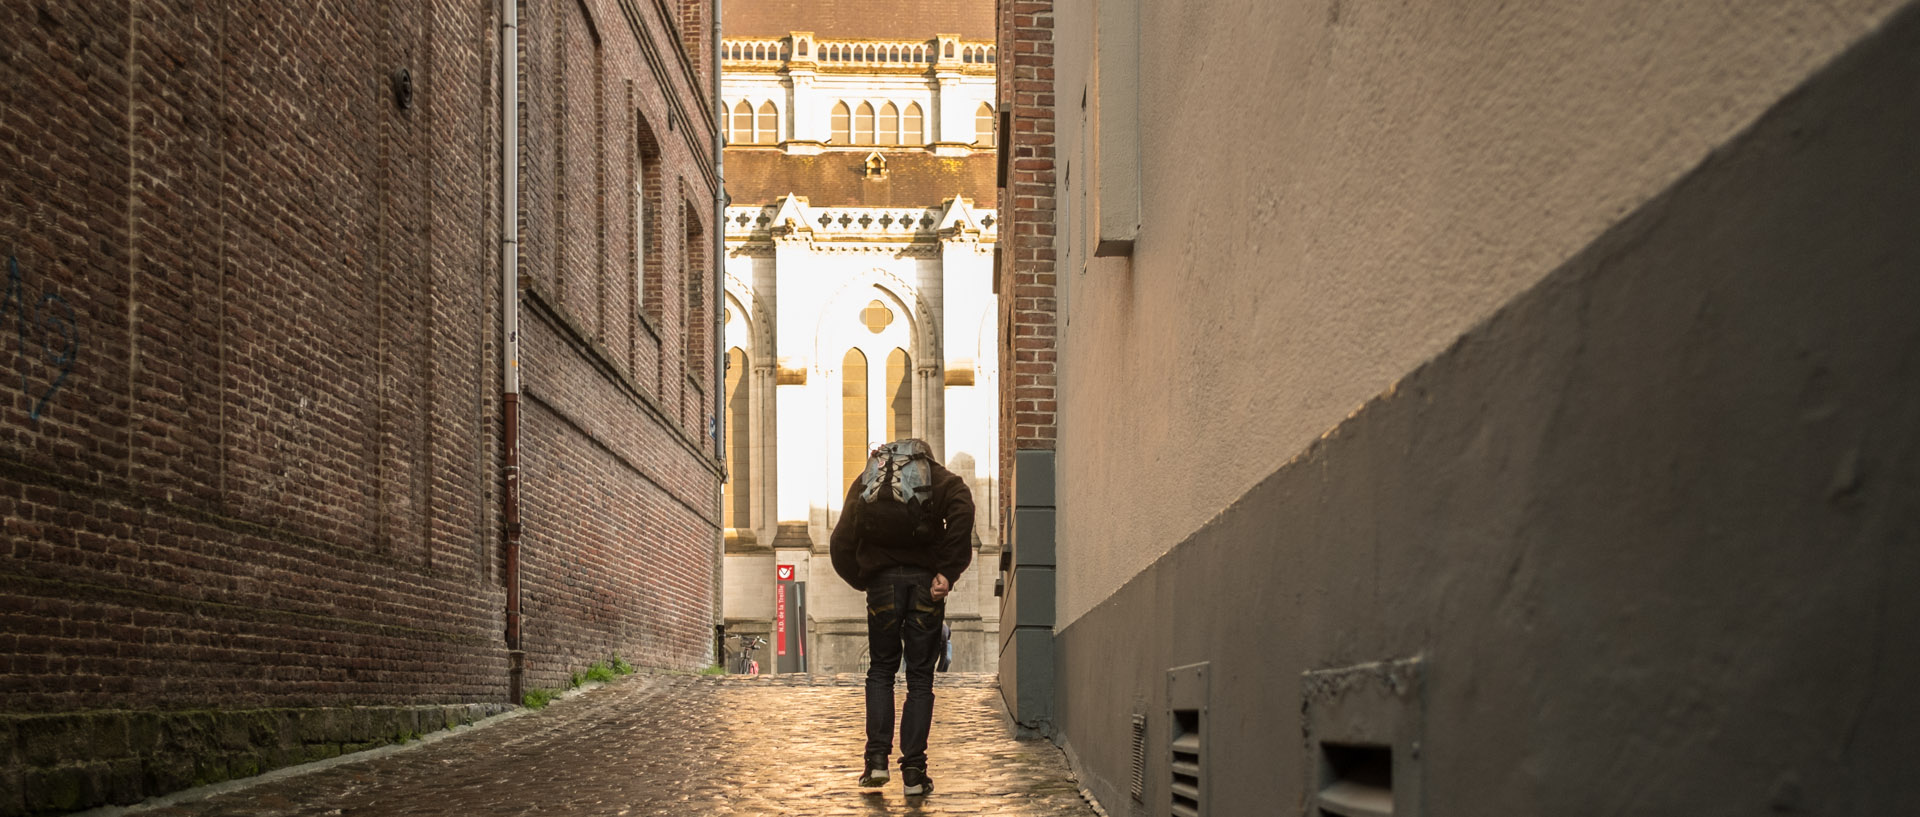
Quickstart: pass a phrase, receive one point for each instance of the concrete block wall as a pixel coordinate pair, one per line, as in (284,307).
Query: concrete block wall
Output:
(251,461)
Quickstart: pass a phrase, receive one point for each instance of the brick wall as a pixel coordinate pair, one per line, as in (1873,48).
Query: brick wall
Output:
(249,438)
(1026,273)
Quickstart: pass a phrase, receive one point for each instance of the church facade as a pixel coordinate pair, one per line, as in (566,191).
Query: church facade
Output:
(859,302)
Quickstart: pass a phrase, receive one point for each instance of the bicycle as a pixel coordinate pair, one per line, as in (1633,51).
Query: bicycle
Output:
(741,662)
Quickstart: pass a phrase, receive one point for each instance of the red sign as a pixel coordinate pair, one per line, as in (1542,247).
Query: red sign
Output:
(785,572)
(780,618)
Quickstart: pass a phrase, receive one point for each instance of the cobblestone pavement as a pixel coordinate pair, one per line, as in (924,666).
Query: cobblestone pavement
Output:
(683,745)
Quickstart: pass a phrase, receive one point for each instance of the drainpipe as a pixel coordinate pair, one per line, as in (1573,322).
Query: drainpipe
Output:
(719,303)
(510,330)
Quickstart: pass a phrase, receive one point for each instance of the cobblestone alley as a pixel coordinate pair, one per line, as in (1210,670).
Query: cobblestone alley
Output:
(675,745)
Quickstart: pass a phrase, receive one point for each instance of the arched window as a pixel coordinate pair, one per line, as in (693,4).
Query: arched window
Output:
(839,136)
(767,131)
(739,485)
(983,125)
(853,416)
(899,392)
(742,131)
(863,125)
(912,127)
(889,125)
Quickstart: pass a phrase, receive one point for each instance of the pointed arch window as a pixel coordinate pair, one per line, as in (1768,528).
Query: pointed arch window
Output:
(740,129)
(899,391)
(863,124)
(739,485)
(839,125)
(912,126)
(983,125)
(766,131)
(888,126)
(853,416)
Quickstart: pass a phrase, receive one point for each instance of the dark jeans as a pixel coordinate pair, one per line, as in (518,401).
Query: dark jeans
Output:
(902,617)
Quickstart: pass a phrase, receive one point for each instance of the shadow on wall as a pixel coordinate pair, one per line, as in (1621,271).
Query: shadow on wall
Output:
(1649,529)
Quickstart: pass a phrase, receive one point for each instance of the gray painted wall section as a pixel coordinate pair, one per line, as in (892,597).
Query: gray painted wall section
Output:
(1650,530)
(1028,602)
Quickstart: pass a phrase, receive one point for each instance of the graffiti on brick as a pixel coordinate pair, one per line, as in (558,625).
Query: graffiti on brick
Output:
(48,336)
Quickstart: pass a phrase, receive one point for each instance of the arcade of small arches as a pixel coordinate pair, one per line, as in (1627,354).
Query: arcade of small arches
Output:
(863,124)
(874,53)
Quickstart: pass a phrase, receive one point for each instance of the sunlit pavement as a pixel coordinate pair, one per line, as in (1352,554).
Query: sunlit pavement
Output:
(682,745)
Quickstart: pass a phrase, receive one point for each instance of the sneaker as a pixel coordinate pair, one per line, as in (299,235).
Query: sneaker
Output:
(876,774)
(916,782)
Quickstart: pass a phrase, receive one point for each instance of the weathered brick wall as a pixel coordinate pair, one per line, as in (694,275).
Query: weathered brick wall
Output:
(618,470)
(1026,272)
(250,444)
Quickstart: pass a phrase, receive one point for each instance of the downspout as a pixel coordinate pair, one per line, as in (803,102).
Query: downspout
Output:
(510,331)
(719,311)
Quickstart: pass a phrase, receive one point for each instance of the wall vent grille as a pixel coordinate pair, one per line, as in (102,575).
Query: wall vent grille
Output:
(1139,758)
(1363,730)
(1186,758)
(1186,762)
(1358,781)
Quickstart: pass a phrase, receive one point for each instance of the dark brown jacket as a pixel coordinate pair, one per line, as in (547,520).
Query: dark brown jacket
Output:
(858,562)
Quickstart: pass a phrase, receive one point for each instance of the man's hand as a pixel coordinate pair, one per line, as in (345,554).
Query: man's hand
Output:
(940,587)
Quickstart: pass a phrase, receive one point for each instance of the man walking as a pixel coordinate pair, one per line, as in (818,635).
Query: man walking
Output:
(905,535)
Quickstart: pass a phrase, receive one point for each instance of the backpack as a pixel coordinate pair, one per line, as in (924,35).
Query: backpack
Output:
(898,497)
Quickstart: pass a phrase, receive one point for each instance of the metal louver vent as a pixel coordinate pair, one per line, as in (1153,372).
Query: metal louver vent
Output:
(1187,718)
(1139,758)
(1186,763)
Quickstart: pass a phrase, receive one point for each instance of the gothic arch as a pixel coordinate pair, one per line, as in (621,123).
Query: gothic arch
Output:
(839,330)
(759,323)
(924,325)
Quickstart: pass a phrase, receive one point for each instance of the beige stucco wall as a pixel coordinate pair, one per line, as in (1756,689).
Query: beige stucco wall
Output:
(1334,191)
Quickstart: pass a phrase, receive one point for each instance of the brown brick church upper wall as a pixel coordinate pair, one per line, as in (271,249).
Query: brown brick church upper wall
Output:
(838,179)
(859,19)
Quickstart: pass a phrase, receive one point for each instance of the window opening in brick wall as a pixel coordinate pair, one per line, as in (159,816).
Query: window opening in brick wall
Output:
(698,325)
(645,209)
(853,417)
